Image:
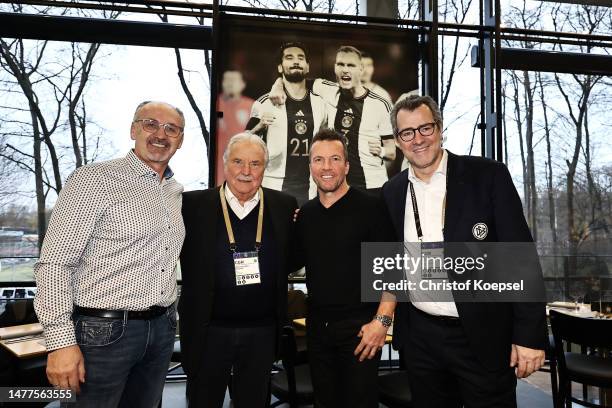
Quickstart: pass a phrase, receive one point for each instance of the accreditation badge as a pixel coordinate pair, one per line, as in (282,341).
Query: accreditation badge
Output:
(432,261)
(246,267)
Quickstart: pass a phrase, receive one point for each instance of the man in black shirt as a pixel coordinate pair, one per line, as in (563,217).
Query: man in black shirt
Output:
(344,335)
(235,262)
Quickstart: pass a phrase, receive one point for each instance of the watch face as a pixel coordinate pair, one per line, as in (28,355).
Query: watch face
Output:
(385,320)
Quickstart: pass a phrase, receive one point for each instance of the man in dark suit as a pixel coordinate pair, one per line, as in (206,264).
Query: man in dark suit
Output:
(235,262)
(458,353)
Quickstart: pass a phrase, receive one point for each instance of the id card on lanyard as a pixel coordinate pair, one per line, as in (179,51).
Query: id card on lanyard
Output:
(432,253)
(432,258)
(246,264)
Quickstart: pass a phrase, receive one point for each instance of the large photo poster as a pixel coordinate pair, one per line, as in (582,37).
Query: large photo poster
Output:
(285,80)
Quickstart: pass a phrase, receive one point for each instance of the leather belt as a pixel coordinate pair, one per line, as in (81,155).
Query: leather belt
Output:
(150,313)
(445,320)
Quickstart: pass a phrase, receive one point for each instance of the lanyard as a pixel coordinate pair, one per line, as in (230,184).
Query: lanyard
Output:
(228,224)
(415,211)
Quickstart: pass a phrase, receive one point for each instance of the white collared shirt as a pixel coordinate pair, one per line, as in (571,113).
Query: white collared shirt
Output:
(430,201)
(240,210)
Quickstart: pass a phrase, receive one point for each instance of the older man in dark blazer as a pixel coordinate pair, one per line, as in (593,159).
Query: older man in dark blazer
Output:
(458,353)
(234,262)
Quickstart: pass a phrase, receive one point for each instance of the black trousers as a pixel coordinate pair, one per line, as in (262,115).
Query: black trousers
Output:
(243,354)
(444,372)
(339,380)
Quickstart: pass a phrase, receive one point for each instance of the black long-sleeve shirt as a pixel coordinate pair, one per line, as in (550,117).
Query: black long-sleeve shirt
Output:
(329,243)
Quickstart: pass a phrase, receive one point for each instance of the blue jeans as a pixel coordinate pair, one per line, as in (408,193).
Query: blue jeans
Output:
(126,361)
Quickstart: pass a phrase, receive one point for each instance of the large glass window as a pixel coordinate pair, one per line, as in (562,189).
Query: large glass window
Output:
(559,16)
(459,95)
(557,153)
(75,107)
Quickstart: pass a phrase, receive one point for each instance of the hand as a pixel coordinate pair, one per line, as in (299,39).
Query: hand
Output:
(526,360)
(373,336)
(277,94)
(66,368)
(266,120)
(375,148)
(389,149)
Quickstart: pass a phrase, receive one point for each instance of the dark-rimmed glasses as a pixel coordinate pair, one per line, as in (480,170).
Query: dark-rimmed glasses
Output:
(152,126)
(408,134)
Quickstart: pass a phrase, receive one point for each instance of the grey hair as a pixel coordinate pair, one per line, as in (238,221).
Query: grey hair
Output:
(246,137)
(410,104)
(145,103)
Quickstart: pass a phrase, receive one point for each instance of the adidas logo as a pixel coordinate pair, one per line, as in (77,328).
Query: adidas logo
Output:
(299,113)
(349,110)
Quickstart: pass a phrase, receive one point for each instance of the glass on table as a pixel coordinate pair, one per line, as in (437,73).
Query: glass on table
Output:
(577,291)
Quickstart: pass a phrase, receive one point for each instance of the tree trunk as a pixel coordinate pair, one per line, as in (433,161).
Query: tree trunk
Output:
(552,216)
(74,99)
(594,195)
(517,118)
(41,215)
(192,101)
(505,125)
(533,194)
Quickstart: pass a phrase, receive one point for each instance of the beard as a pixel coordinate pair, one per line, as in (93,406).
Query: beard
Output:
(295,77)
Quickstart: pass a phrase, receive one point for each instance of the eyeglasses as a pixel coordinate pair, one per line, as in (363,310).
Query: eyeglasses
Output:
(425,129)
(152,126)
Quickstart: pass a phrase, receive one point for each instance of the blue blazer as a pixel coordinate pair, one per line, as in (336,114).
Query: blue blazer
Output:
(478,190)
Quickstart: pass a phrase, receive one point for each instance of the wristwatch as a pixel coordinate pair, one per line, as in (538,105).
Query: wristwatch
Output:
(386,321)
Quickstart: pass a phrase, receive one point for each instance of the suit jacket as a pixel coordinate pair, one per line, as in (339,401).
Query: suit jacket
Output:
(478,190)
(201,211)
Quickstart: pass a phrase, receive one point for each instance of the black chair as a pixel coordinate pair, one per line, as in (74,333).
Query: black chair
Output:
(297,309)
(393,390)
(591,367)
(20,311)
(550,366)
(292,385)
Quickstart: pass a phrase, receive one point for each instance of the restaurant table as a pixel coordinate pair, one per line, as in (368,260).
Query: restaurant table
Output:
(23,341)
